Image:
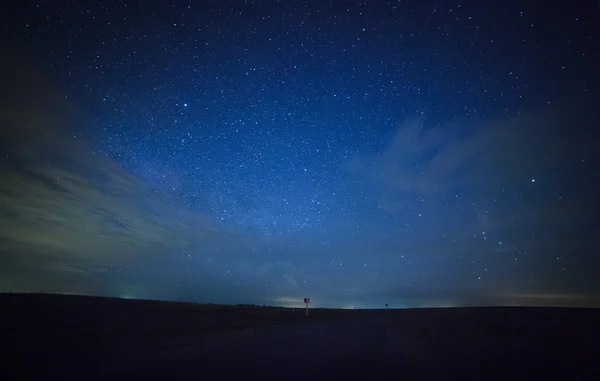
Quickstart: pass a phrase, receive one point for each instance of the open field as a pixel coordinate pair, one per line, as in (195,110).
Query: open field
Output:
(78,337)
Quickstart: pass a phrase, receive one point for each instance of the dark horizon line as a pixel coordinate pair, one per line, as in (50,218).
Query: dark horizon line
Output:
(253,305)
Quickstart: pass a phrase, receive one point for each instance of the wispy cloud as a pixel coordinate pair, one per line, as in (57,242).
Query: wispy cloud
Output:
(65,207)
(73,220)
(474,158)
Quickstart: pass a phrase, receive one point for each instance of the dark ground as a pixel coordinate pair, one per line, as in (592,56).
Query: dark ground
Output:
(73,337)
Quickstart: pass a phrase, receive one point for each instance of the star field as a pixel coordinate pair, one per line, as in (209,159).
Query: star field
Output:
(360,153)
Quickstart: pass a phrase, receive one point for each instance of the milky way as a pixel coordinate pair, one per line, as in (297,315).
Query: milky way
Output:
(355,152)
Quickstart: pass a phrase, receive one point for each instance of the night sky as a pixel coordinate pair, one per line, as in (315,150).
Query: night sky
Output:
(359,153)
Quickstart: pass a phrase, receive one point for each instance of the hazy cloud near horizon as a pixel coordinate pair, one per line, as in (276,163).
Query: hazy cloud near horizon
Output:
(73,219)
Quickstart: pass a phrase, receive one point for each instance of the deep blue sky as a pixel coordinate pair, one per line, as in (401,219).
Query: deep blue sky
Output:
(355,152)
